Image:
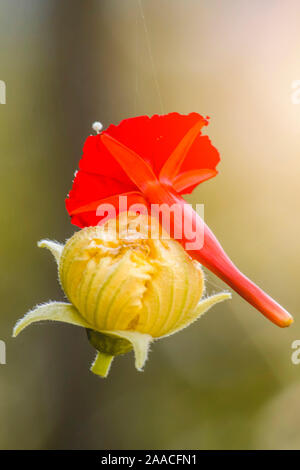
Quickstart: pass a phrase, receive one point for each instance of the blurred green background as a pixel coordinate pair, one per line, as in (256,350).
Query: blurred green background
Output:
(228,381)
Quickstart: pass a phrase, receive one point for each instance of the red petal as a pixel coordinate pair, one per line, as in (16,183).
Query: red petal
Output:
(132,198)
(186,182)
(88,214)
(98,160)
(88,187)
(138,170)
(202,154)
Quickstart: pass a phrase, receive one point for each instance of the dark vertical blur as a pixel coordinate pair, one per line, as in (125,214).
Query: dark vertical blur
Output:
(72,35)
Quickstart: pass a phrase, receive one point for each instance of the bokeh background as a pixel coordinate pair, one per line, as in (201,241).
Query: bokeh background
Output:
(228,381)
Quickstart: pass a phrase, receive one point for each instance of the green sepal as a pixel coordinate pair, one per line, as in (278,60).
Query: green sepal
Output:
(140,343)
(55,248)
(54,311)
(114,343)
(202,307)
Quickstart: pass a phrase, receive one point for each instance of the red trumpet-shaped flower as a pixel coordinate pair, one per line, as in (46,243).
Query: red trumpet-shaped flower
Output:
(155,161)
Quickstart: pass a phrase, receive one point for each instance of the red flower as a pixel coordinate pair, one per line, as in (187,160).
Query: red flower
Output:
(156,160)
(154,139)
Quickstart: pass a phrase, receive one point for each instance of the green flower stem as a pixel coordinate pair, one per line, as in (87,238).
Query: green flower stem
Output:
(101,364)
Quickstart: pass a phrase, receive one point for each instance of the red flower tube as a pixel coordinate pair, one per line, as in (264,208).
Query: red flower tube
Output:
(154,161)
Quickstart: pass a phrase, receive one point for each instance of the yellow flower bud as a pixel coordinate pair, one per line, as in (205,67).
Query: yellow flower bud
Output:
(128,284)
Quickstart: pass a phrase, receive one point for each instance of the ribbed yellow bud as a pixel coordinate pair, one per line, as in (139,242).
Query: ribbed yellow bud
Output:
(128,284)
(119,279)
